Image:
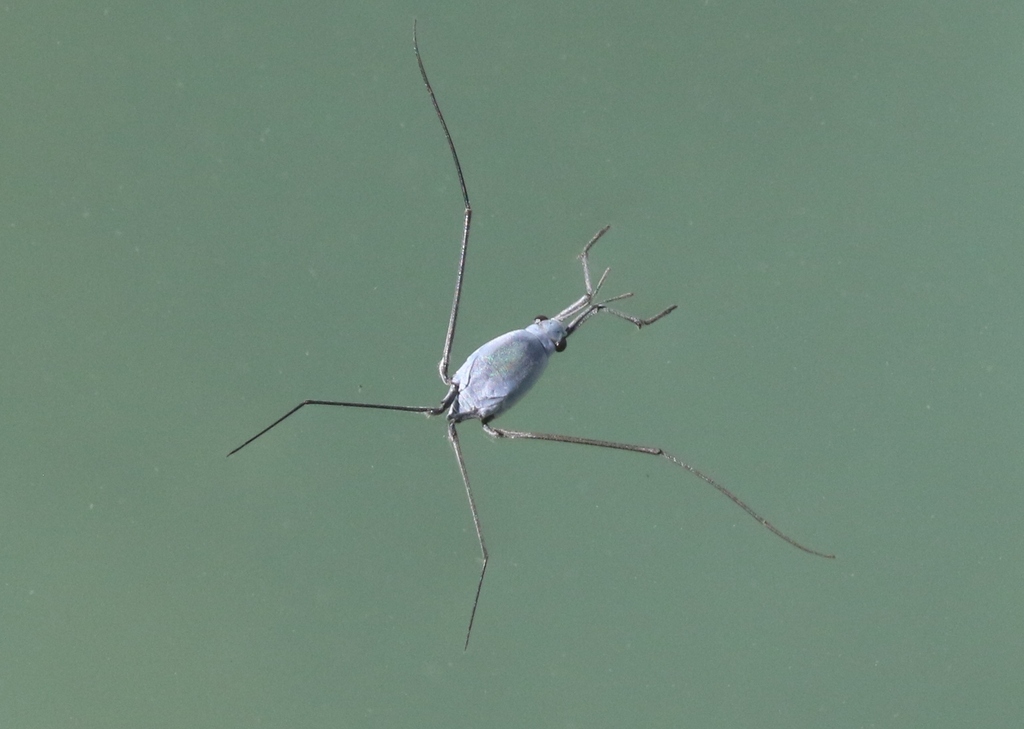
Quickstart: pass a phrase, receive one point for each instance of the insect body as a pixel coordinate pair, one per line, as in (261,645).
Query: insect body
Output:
(499,373)
(496,376)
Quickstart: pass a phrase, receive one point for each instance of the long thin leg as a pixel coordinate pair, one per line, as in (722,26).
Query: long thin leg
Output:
(372,406)
(468,216)
(453,436)
(654,451)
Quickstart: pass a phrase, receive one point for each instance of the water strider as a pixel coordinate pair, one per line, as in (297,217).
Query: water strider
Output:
(498,374)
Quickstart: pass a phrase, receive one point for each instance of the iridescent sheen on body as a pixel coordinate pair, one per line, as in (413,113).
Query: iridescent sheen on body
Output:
(497,375)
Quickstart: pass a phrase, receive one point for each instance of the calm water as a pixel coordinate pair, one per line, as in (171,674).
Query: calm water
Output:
(210,213)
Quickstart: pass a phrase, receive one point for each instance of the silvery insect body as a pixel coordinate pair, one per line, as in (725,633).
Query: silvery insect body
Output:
(497,375)
(500,372)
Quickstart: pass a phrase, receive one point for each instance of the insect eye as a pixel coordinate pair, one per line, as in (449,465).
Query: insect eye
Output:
(560,345)
(540,317)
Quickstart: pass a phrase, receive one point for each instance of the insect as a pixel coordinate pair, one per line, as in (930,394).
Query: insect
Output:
(499,373)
